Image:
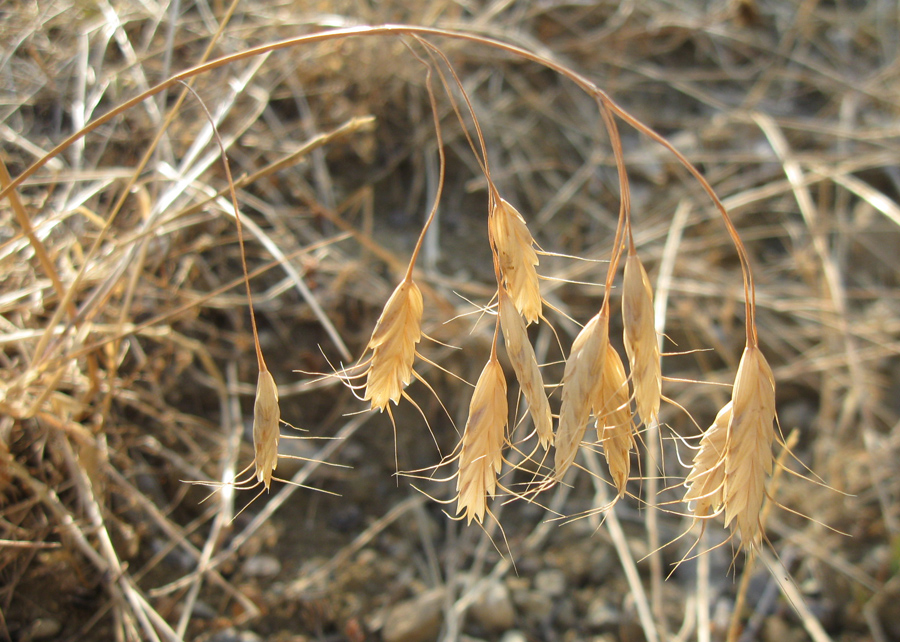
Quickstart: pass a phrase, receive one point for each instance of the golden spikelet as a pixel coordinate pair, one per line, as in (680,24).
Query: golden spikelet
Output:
(517,257)
(641,344)
(748,453)
(706,481)
(615,428)
(524,363)
(481,457)
(580,383)
(266,419)
(393,346)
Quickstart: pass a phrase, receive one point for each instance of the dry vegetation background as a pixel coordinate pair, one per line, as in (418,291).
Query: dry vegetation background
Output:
(146,377)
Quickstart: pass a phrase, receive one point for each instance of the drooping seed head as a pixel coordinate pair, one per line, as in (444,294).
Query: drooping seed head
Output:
(582,378)
(517,257)
(481,457)
(524,363)
(706,481)
(393,346)
(641,344)
(748,455)
(266,430)
(615,428)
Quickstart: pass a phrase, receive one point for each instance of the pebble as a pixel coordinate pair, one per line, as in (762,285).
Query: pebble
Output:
(494,609)
(534,604)
(514,636)
(45,627)
(601,614)
(233,635)
(261,566)
(551,582)
(415,620)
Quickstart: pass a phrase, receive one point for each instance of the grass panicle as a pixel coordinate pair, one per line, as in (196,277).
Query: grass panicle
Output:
(641,344)
(524,363)
(393,346)
(615,427)
(481,456)
(582,378)
(748,453)
(517,257)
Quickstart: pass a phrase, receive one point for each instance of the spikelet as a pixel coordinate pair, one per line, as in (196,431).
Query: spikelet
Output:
(580,383)
(481,456)
(393,345)
(517,257)
(641,344)
(748,454)
(615,428)
(266,419)
(706,481)
(524,363)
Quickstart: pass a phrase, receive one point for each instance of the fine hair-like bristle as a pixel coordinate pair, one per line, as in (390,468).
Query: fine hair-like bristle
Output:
(706,481)
(266,429)
(481,457)
(524,363)
(517,257)
(393,345)
(641,344)
(615,428)
(582,378)
(748,454)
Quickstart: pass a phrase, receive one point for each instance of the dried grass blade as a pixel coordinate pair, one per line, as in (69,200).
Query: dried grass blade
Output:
(524,363)
(481,456)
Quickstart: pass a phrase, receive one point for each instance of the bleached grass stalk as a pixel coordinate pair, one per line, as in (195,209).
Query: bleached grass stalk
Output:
(641,343)
(518,259)
(481,456)
(615,428)
(581,382)
(524,363)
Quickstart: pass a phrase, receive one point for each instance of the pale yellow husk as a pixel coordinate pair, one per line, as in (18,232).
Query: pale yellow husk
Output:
(517,257)
(524,363)
(615,428)
(581,381)
(748,454)
(393,346)
(706,481)
(481,457)
(266,429)
(641,344)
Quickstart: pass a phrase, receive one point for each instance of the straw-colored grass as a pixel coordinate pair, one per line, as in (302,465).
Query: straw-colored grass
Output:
(266,427)
(615,428)
(641,342)
(706,480)
(518,258)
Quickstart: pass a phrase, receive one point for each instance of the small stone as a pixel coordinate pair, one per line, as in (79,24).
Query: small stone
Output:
(550,582)
(494,609)
(415,620)
(45,627)
(601,614)
(233,635)
(534,604)
(514,636)
(261,566)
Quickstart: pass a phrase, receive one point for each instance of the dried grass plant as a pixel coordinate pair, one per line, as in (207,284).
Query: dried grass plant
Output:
(127,352)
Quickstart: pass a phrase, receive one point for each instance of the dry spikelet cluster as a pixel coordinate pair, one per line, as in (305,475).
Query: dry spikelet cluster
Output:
(641,344)
(524,363)
(266,430)
(393,346)
(615,429)
(706,481)
(481,456)
(517,258)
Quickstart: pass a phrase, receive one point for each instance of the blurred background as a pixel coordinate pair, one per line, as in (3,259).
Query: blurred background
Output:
(128,366)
